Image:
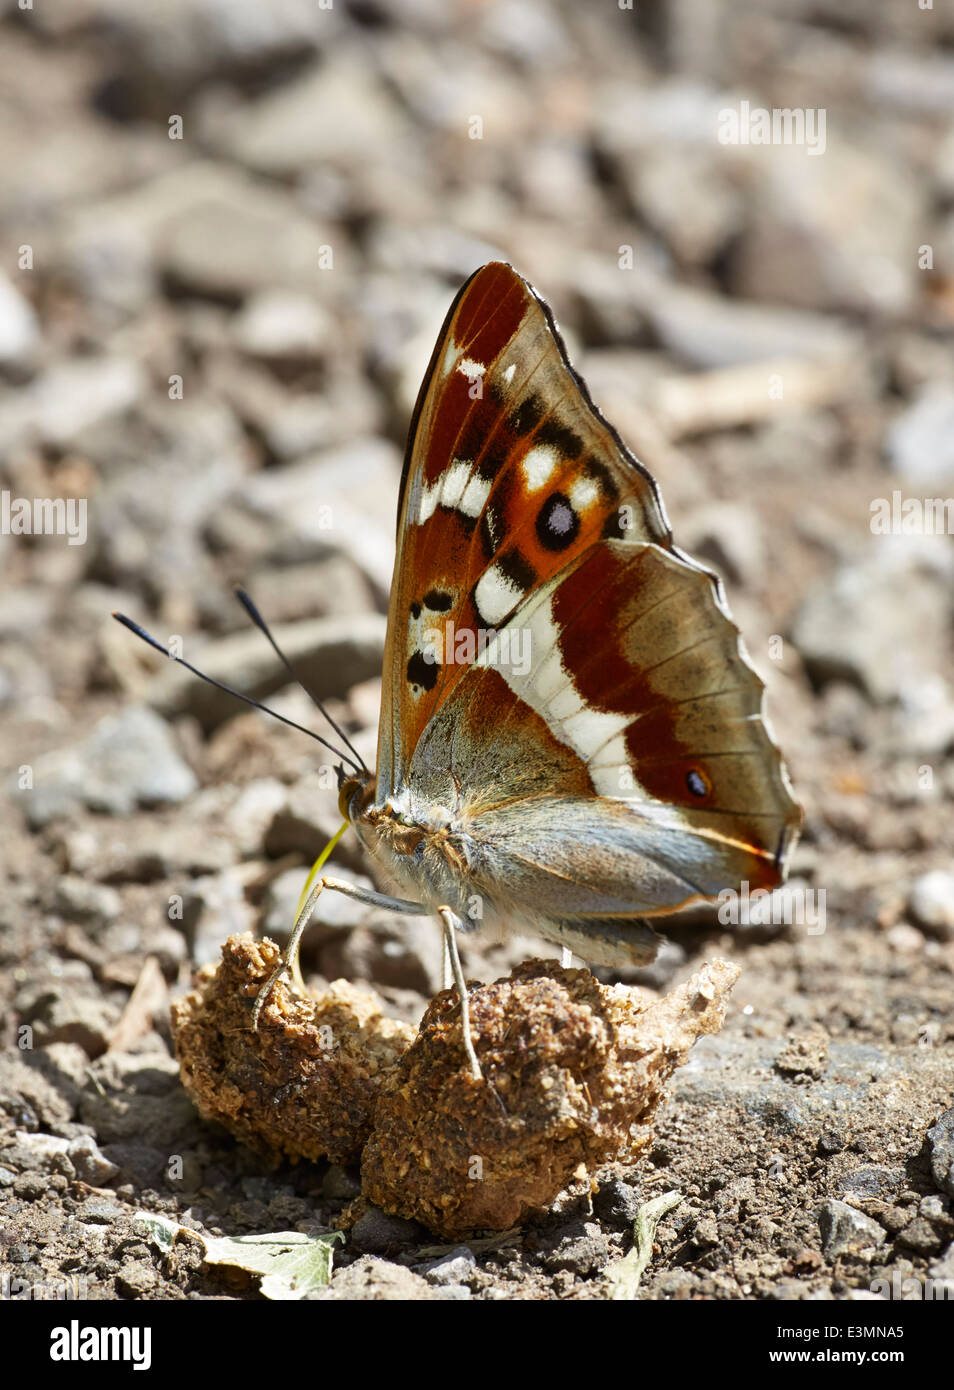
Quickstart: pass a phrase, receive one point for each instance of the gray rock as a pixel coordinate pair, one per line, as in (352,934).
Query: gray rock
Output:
(835,232)
(453,1293)
(617,1202)
(82,901)
(336,114)
(38,1149)
(931,902)
(582,1249)
(190,40)
(130,759)
(865,626)
(277,324)
(214,908)
(376,1280)
(920,442)
(870,1180)
(70,1016)
(941,1141)
(457,1268)
(241,239)
(69,398)
(732,1073)
(338,1185)
(92,1166)
(100,1211)
(919,1235)
(846,1231)
(377,1232)
(342,500)
(19,328)
(727,535)
(708,331)
(330,655)
(253,810)
(334,913)
(391,951)
(943,1270)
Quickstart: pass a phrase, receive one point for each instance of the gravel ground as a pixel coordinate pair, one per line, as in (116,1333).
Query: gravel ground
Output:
(229,236)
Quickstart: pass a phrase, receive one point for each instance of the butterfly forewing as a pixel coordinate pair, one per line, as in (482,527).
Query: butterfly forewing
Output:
(551,656)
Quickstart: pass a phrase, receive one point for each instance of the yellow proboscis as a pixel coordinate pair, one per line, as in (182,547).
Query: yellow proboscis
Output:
(318,865)
(316,868)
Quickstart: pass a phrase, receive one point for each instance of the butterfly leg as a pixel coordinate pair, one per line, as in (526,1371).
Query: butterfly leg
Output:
(446,972)
(289,959)
(451,923)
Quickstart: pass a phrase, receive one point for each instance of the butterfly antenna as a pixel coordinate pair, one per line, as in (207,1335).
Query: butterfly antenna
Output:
(256,704)
(256,617)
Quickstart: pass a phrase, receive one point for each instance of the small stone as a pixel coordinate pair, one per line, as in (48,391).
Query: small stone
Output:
(861,626)
(338,1185)
(831,1141)
(941,1141)
(329,654)
(582,1250)
(82,901)
(19,327)
(29,1186)
(377,1232)
(73,1017)
(616,1203)
(931,901)
(706,1232)
(276,324)
(129,760)
(100,1211)
(91,1165)
(69,398)
(920,1236)
(454,1269)
(137,1279)
(846,1231)
(369,1278)
(920,443)
(944,1269)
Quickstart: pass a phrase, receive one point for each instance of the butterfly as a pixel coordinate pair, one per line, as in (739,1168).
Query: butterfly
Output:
(571,737)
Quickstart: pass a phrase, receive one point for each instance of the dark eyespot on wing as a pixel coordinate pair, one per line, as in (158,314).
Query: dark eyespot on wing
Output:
(696,783)
(438,601)
(558,524)
(422,672)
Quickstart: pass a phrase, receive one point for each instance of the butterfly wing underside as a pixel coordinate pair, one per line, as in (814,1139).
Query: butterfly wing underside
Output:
(553,661)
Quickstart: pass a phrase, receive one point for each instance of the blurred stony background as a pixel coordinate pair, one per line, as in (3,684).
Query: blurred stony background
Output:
(228,235)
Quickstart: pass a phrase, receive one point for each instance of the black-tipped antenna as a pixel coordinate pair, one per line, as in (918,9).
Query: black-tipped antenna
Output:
(256,617)
(256,704)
